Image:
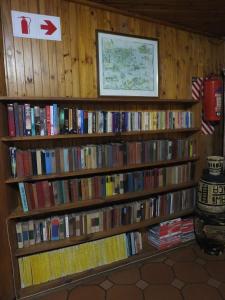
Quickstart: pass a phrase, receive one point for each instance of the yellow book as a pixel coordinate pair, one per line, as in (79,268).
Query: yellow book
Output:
(22,273)
(44,267)
(150,122)
(51,258)
(122,242)
(102,252)
(68,263)
(34,262)
(56,264)
(109,252)
(25,272)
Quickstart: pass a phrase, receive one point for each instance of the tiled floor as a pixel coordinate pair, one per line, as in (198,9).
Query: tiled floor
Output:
(183,274)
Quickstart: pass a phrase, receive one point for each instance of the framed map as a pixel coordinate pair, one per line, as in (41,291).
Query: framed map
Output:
(127,65)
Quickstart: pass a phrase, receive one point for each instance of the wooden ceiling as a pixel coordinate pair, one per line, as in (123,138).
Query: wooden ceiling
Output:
(203,16)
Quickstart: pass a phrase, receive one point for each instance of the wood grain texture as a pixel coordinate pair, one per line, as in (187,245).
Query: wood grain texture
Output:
(68,68)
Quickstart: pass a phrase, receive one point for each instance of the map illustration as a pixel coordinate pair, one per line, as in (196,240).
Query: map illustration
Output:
(127,64)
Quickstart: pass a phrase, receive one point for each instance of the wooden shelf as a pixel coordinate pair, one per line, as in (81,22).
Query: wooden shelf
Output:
(97,135)
(18,213)
(46,246)
(99,100)
(99,171)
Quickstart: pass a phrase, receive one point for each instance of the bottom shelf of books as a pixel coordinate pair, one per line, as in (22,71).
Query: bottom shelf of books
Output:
(52,268)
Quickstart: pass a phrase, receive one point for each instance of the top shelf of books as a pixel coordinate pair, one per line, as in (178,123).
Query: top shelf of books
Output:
(136,100)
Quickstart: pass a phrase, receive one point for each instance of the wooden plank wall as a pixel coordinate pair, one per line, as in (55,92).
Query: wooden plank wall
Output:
(68,68)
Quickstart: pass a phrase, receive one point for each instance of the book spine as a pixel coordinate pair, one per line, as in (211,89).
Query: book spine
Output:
(11,120)
(23,196)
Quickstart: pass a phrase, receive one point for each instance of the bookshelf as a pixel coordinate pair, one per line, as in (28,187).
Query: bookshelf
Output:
(13,208)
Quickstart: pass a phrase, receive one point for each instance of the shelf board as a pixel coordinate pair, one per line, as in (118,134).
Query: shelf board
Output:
(96,135)
(51,245)
(99,171)
(115,99)
(18,213)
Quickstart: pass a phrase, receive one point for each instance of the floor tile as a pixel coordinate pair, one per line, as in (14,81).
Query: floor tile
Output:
(216,269)
(124,292)
(221,288)
(162,292)
(106,284)
(213,282)
(156,273)
(190,272)
(178,283)
(127,276)
(183,254)
(87,292)
(59,295)
(169,262)
(200,261)
(142,284)
(200,291)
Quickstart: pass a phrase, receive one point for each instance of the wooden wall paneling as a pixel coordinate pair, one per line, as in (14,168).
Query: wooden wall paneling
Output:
(51,9)
(87,51)
(167,61)
(44,57)
(11,78)
(182,65)
(66,36)
(74,32)
(36,54)
(60,57)
(28,59)
(19,57)
(2,62)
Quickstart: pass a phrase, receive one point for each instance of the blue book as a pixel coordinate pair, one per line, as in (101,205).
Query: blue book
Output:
(23,196)
(33,132)
(55,119)
(48,164)
(130,182)
(66,159)
(55,229)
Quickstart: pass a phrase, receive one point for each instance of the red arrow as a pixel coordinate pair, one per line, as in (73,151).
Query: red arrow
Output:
(49,26)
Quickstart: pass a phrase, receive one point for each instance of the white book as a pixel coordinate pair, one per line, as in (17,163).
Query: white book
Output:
(90,122)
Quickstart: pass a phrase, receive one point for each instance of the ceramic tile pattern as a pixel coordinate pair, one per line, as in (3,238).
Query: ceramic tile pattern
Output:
(186,273)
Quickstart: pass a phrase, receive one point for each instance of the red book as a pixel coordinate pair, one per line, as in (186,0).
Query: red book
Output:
(48,119)
(46,192)
(11,120)
(51,195)
(34,192)
(74,190)
(27,163)
(30,195)
(40,194)
(19,163)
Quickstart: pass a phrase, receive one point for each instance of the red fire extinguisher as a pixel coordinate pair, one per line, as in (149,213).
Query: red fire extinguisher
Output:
(212,98)
(25,24)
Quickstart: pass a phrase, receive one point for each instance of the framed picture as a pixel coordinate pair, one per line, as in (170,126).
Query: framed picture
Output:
(127,65)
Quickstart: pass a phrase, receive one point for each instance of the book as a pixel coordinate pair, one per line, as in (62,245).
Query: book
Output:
(23,196)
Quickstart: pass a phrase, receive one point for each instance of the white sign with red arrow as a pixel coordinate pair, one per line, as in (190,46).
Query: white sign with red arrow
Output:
(35,26)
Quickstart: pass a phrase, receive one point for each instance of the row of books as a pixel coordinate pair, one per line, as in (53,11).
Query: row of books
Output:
(50,265)
(104,219)
(171,233)
(29,120)
(111,155)
(45,194)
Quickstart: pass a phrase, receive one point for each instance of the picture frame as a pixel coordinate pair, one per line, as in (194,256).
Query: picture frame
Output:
(127,65)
